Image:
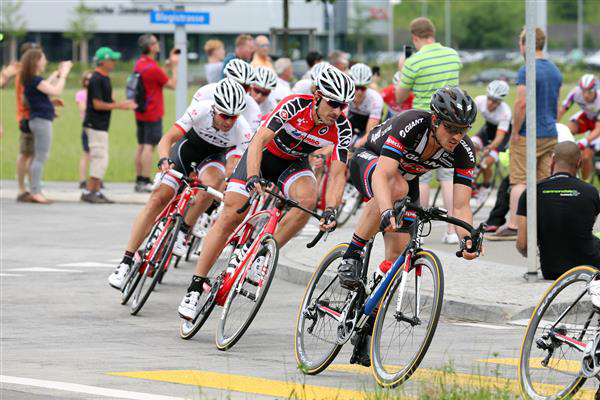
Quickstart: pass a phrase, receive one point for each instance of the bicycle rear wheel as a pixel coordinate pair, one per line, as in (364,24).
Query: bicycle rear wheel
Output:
(154,267)
(550,367)
(316,331)
(352,200)
(247,294)
(402,336)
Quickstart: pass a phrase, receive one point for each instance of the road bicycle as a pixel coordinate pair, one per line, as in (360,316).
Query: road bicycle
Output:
(247,266)
(564,324)
(400,310)
(151,263)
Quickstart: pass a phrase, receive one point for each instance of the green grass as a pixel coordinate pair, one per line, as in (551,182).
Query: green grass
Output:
(63,164)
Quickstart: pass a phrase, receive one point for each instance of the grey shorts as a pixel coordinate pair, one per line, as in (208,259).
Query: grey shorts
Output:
(443,175)
(149,132)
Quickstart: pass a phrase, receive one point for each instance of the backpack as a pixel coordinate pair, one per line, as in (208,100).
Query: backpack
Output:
(135,90)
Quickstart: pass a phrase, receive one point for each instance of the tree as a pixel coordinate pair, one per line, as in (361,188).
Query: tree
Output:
(13,25)
(81,28)
(359,26)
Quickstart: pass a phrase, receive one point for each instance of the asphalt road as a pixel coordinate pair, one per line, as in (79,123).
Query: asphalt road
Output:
(64,334)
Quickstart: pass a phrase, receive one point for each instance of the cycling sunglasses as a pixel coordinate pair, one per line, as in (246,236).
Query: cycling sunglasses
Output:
(228,117)
(262,91)
(361,88)
(455,129)
(335,104)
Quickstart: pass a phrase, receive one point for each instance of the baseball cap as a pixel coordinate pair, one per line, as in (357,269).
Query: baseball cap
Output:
(105,53)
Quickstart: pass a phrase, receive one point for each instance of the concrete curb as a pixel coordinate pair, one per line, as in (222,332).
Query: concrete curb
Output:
(74,196)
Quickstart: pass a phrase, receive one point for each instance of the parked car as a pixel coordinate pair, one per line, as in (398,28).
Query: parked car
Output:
(492,74)
(593,61)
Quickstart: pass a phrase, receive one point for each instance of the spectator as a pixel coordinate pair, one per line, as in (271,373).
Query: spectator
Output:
(37,92)
(244,50)
(285,72)
(81,100)
(97,120)
(376,70)
(261,55)
(149,118)
(432,67)
(312,58)
(548,82)
(569,207)
(389,94)
(25,156)
(7,73)
(340,60)
(215,52)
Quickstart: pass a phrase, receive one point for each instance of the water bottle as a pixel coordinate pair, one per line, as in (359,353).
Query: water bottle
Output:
(379,273)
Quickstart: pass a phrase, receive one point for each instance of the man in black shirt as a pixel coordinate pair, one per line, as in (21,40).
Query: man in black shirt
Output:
(567,208)
(97,119)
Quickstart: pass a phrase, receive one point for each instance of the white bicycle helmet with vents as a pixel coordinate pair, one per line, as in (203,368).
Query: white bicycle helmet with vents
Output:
(588,82)
(317,69)
(361,73)
(240,71)
(230,97)
(497,90)
(265,78)
(335,85)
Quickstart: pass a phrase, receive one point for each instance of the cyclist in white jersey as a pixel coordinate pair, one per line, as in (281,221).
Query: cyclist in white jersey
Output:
(587,96)
(260,90)
(308,85)
(210,132)
(242,73)
(365,111)
(494,135)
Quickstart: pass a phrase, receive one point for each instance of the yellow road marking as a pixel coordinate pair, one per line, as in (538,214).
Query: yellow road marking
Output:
(562,365)
(245,384)
(462,379)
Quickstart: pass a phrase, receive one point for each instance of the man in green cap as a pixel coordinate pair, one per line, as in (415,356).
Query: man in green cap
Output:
(97,119)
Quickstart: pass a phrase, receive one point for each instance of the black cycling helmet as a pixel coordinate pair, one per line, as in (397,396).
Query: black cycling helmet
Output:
(453,105)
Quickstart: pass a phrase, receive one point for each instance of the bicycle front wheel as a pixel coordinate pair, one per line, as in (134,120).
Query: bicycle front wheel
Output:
(247,294)
(550,365)
(407,319)
(316,327)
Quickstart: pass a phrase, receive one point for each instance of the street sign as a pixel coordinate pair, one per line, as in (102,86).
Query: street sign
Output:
(179,17)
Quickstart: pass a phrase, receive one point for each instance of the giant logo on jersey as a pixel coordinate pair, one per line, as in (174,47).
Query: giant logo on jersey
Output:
(409,126)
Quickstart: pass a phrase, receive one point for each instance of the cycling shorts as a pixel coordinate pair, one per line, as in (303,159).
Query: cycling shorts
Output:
(361,168)
(277,170)
(183,154)
(583,123)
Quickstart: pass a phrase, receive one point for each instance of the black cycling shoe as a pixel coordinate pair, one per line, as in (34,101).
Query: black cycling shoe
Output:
(349,273)
(360,355)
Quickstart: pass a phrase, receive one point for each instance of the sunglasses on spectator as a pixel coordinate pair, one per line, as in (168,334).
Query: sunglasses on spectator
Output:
(361,88)
(335,104)
(228,117)
(262,91)
(455,130)
(264,46)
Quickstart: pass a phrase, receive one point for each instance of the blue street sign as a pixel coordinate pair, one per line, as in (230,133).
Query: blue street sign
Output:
(179,17)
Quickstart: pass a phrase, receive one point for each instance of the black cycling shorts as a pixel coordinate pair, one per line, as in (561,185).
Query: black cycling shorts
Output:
(275,169)
(361,168)
(487,133)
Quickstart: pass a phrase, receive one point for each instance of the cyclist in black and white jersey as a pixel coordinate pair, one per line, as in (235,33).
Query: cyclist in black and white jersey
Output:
(242,73)
(365,111)
(494,135)
(210,133)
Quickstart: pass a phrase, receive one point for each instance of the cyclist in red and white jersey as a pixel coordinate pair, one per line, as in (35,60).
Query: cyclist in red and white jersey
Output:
(209,134)
(260,90)
(587,96)
(243,73)
(279,153)
(365,111)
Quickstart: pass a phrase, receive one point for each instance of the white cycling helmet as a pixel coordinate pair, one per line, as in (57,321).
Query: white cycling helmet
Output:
(361,73)
(265,78)
(230,97)
(317,69)
(497,90)
(240,71)
(335,85)
(588,82)
(396,78)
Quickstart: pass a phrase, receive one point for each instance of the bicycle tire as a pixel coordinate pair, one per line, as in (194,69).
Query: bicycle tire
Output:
(188,329)
(495,178)
(303,359)
(223,342)
(192,247)
(426,260)
(161,256)
(344,217)
(529,388)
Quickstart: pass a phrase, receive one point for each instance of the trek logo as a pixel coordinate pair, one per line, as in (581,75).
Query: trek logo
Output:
(407,128)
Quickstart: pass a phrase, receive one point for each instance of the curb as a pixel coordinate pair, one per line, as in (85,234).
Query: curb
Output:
(74,196)
(452,308)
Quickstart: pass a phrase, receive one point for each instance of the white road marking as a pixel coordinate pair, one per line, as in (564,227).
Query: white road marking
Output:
(3,274)
(485,326)
(88,264)
(77,388)
(114,260)
(42,269)
(519,322)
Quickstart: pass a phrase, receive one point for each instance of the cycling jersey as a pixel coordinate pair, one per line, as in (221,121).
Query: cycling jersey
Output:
(405,137)
(303,86)
(267,106)
(501,116)
(370,107)
(251,113)
(197,125)
(297,135)
(591,110)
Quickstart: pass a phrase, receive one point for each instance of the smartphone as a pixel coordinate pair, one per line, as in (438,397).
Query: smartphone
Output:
(177,51)
(408,50)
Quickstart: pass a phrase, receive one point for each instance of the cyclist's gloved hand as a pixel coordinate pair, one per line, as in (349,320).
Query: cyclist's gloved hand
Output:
(253,183)
(469,253)
(328,219)
(387,221)
(164,164)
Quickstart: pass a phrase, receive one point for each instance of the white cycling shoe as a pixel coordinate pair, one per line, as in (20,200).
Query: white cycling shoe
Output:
(117,278)
(180,248)
(188,309)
